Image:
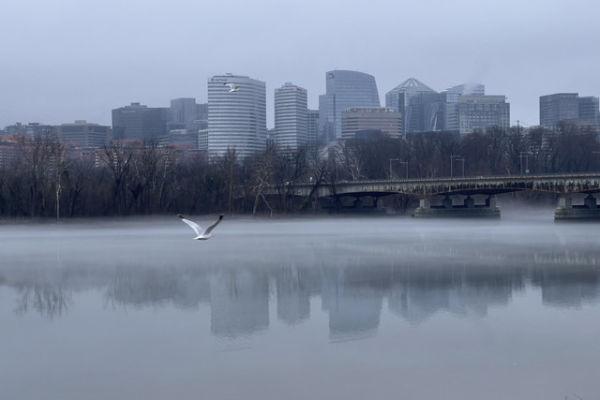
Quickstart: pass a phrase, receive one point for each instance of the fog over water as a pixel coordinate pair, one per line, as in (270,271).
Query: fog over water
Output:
(332,308)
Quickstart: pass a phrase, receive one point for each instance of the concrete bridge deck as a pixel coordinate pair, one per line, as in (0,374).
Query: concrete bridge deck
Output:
(432,189)
(490,185)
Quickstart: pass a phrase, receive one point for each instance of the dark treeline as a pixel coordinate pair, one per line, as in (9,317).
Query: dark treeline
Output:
(47,180)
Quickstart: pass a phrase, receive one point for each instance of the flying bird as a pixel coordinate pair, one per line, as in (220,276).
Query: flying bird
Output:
(200,233)
(232,87)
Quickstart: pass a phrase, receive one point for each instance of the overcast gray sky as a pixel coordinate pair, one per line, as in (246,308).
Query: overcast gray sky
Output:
(77,59)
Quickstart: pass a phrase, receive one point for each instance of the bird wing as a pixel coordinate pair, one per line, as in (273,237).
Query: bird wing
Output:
(197,228)
(230,85)
(213,226)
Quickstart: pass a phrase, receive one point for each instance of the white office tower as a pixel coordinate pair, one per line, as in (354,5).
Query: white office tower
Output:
(291,117)
(236,115)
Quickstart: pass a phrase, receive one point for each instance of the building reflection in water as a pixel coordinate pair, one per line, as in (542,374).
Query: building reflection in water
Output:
(293,294)
(419,293)
(352,289)
(568,287)
(353,300)
(239,302)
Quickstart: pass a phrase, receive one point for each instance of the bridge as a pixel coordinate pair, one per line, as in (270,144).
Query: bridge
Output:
(476,196)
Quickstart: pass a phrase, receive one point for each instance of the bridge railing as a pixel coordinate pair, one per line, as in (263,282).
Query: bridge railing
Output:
(463,179)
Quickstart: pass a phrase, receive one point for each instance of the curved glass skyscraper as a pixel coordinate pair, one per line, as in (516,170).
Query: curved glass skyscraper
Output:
(344,89)
(236,115)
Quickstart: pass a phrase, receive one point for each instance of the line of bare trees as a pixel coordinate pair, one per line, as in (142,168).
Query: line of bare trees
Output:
(46,180)
(495,152)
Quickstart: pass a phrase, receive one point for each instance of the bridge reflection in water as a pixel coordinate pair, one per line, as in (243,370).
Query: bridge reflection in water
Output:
(462,197)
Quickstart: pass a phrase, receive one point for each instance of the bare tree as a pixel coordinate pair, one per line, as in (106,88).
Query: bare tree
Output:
(117,160)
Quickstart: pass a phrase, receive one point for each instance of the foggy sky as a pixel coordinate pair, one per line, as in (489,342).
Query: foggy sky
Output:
(78,59)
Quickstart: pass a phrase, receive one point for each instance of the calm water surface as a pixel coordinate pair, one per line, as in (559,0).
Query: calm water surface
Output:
(328,308)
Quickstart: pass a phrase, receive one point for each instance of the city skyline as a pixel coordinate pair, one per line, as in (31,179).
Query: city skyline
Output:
(55,76)
(312,100)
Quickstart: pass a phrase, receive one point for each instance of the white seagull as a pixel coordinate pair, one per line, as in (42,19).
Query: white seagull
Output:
(201,234)
(232,87)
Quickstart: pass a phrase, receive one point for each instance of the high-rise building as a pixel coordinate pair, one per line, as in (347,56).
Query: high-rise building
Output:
(186,120)
(312,130)
(30,129)
(418,103)
(358,121)
(569,107)
(202,111)
(291,117)
(588,107)
(482,112)
(203,139)
(397,97)
(344,89)
(558,107)
(589,112)
(467,89)
(236,115)
(184,111)
(139,122)
(425,113)
(424,109)
(83,134)
(9,150)
(450,100)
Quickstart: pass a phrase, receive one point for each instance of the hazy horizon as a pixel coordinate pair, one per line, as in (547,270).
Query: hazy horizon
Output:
(66,61)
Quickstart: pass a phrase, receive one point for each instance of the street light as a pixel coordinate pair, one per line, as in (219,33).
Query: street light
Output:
(406,165)
(463,165)
(597,153)
(392,159)
(400,162)
(527,153)
(457,158)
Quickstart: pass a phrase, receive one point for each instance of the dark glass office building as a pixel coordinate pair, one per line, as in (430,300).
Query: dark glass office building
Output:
(139,122)
(344,89)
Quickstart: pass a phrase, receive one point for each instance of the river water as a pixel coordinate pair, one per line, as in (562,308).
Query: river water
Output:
(302,308)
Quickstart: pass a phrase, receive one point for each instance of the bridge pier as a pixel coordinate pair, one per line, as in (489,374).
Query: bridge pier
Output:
(566,211)
(468,208)
(358,203)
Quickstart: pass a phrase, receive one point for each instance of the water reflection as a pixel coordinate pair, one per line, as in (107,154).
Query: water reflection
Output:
(239,302)
(353,289)
(46,299)
(420,293)
(139,287)
(568,287)
(353,304)
(293,286)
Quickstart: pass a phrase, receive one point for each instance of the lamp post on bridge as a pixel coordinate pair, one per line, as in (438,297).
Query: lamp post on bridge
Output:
(406,165)
(400,162)
(391,160)
(457,158)
(596,153)
(526,153)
